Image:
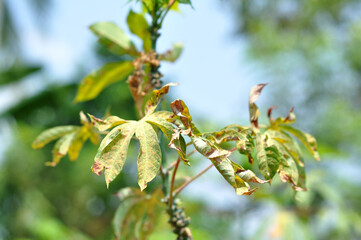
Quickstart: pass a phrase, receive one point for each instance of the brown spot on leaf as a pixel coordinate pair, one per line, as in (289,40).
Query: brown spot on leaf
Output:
(98,168)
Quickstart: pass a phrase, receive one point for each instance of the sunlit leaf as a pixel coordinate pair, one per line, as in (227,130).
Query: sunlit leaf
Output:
(139,26)
(149,157)
(112,152)
(241,135)
(155,98)
(61,148)
(114,38)
(290,118)
(207,149)
(267,156)
(180,109)
(93,84)
(109,122)
(177,142)
(78,141)
(174,54)
(306,139)
(253,109)
(52,134)
(138,215)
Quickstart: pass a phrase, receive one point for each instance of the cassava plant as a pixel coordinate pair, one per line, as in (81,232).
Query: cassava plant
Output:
(273,147)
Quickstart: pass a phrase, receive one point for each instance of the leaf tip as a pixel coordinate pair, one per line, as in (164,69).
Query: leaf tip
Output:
(98,168)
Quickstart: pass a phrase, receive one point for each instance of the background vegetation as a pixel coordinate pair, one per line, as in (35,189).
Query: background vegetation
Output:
(309,51)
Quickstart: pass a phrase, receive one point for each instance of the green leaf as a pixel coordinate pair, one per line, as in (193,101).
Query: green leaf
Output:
(226,168)
(174,54)
(253,109)
(90,87)
(52,134)
(112,152)
(291,167)
(149,157)
(267,156)
(249,176)
(16,73)
(185,1)
(138,215)
(306,139)
(109,122)
(207,149)
(139,26)
(155,98)
(180,109)
(114,38)
(241,135)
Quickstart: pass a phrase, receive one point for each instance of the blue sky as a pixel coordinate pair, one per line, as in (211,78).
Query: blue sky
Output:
(214,75)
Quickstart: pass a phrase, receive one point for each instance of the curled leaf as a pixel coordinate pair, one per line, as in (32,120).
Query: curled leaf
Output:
(174,54)
(177,142)
(253,109)
(180,109)
(154,100)
(249,176)
(268,157)
(306,139)
(109,122)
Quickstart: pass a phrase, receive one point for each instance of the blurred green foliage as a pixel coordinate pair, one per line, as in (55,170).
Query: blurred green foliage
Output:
(309,48)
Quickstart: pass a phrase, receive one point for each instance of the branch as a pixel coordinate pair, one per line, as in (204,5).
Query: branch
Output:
(191,180)
(170,202)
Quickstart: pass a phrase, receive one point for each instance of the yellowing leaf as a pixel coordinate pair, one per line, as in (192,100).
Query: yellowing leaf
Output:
(253,109)
(177,142)
(139,26)
(267,156)
(149,157)
(174,54)
(226,168)
(78,141)
(61,148)
(52,134)
(306,139)
(138,214)
(180,109)
(109,122)
(93,84)
(112,152)
(114,38)
(154,100)
(207,149)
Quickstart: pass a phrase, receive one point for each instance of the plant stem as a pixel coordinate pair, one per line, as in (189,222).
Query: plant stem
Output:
(170,201)
(175,193)
(170,4)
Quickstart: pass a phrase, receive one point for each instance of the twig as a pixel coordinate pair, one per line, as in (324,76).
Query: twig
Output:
(191,180)
(170,203)
(189,154)
(169,6)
